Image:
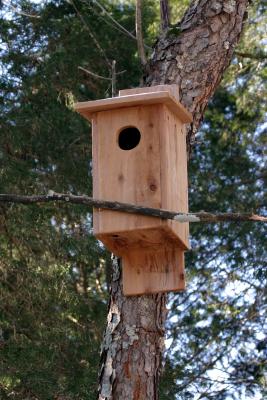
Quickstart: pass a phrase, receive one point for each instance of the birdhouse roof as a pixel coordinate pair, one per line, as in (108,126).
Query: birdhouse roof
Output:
(88,108)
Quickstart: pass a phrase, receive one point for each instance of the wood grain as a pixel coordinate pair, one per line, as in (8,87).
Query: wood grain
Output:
(128,175)
(152,174)
(151,271)
(172,89)
(174,185)
(88,108)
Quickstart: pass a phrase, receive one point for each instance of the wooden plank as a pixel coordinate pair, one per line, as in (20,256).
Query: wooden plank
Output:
(147,272)
(88,108)
(172,89)
(130,176)
(153,174)
(121,242)
(174,185)
(95,169)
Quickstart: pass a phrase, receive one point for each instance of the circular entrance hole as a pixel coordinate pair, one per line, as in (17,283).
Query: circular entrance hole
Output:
(129,138)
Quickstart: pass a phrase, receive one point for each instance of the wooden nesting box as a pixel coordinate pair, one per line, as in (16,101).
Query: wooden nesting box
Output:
(139,157)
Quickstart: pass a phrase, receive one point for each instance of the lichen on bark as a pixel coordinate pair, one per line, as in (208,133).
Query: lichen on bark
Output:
(133,344)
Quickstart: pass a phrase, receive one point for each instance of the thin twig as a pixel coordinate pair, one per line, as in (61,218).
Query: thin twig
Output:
(90,33)
(256,56)
(201,216)
(114,23)
(114,20)
(20,12)
(113,79)
(139,34)
(94,74)
(100,76)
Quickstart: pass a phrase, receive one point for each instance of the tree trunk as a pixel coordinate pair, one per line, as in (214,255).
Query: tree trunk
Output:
(132,345)
(194,55)
(164,14)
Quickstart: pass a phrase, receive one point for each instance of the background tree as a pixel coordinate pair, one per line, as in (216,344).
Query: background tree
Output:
(54,275)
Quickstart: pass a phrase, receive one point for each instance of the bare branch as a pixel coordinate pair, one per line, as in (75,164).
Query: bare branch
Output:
(87,71)
(201,216)
(113,79)
(121,28)
(139,35)
(114,23)
(93,74)
(20,12)
(257,56)
(164,14)
(90,33)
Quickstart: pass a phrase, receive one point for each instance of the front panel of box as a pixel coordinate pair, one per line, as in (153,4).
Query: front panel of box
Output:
(126,166)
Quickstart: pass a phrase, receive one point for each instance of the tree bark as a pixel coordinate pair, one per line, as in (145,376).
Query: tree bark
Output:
(194,55)
(164,14)
(139,34)
(133,344)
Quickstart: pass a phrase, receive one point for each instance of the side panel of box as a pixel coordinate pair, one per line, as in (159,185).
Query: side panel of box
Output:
(131,176)
(174,171)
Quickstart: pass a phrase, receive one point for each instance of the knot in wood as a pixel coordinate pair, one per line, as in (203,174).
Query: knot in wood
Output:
(153,187)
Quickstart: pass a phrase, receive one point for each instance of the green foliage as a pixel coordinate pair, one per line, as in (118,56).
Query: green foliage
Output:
(54,274)
(53,289)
